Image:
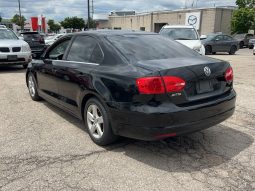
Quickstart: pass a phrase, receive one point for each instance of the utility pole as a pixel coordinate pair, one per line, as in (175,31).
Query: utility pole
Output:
(20,19)
(88,14)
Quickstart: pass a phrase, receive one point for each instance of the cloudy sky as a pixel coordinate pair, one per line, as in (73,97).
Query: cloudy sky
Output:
(59,9)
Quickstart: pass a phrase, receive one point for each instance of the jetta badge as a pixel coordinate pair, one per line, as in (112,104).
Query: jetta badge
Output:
(207,71)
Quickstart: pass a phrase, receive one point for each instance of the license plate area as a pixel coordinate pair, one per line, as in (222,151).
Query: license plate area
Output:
(12,57)
(204,86)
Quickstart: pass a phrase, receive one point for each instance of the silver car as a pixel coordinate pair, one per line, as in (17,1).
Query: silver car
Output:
(13,51)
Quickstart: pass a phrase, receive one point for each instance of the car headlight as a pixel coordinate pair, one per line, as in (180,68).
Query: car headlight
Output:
(26,48)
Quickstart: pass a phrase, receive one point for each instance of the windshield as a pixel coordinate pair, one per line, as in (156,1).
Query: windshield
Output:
(239,36)
(6,34)
(180,33)
(149,47)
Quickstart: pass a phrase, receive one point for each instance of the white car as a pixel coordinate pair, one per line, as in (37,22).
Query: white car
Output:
(186,35)
(13,51)
(50,40)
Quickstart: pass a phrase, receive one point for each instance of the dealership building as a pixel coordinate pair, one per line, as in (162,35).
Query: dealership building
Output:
(206,20)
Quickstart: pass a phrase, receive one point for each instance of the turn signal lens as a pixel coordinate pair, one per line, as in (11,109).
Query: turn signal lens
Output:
(229,75)
(160,85)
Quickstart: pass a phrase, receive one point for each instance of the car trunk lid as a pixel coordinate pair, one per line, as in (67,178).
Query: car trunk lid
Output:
(204,77)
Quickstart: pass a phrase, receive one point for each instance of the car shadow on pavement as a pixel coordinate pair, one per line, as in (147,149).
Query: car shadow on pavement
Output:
(12,69)
(202,150)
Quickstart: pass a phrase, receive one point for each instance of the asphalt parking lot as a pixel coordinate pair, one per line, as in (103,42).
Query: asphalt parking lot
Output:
(44,148)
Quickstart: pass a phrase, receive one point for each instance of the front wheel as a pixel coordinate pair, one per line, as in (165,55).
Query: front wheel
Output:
(98,124)
(32,87)
(25,66)
(208,50)
(232,50)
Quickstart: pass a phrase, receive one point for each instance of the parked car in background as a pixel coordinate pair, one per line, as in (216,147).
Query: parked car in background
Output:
(134,84)
(51,39)
(251,43)
(13,51)
(243,39)
(254,50)
(220,43)
(35,41)
(186,35)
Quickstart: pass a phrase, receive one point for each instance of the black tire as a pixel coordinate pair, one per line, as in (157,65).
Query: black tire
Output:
(241,44)
(233,50)
(34,95)
(208,50)
(108,136)
(25,66)
(251,46)
(214,53)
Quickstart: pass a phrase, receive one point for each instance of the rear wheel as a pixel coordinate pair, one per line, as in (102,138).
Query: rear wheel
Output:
(241,44)
(98,124)
(232,50)
(32,87)
(208,50)
(214,53)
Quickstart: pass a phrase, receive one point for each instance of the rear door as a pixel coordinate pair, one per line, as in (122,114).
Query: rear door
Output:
(75,71)
(219,44)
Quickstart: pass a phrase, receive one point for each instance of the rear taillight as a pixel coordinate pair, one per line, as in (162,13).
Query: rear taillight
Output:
(160,85)
(174,84)
(150,85)
(229,75)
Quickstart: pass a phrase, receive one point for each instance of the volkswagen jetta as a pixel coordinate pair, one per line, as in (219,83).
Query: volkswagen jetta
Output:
(133,84)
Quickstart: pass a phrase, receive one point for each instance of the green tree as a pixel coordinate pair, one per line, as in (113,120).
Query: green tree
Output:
(245,3)
(243,18)
(54,27)
(92,24)
(16,20)
(73,23)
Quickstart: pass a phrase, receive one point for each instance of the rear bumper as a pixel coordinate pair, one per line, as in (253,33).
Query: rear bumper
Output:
(152,123)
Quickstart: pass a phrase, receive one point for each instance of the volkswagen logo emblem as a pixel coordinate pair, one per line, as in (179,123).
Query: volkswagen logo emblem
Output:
(207,71)
(192,20)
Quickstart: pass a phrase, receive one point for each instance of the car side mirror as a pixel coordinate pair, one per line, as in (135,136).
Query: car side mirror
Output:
(56,57)
(21,38)
(216,39)
(47,61)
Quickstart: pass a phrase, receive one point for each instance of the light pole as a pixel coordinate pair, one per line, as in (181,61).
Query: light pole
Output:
(88,14)
(20,19)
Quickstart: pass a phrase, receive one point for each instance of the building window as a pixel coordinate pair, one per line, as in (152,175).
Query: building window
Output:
(142,28)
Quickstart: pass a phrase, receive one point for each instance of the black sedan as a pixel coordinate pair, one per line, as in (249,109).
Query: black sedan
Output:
(133,84)
(220,43)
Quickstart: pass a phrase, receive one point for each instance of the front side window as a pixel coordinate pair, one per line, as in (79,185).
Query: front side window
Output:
(6,34)
(180,33)
(219,38)
(85,49)
(59,51)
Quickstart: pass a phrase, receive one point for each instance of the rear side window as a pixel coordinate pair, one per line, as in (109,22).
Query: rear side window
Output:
(228,38)
(85,49)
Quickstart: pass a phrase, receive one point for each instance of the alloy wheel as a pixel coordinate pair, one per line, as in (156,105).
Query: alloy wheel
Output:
(95,121)
(31,86)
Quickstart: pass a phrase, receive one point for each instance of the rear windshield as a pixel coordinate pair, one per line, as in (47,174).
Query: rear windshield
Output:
(30,36)
(149,47)
(180,33)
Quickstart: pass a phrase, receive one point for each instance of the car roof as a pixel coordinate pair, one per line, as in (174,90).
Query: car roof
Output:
(178,26)
(29,33)
(113,32)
